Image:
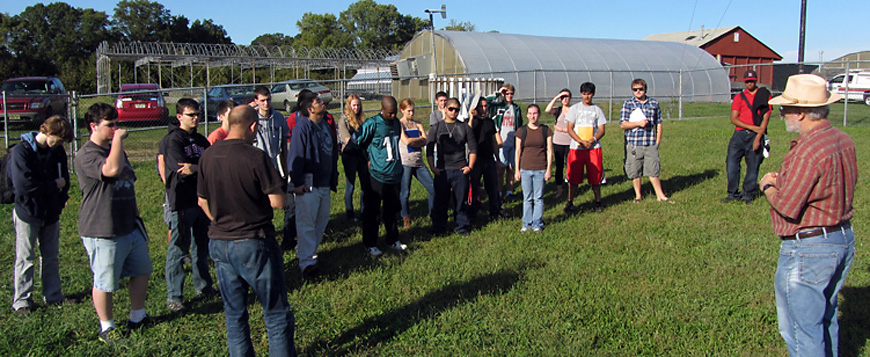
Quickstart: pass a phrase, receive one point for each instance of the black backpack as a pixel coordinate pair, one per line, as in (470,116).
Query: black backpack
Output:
(7,192)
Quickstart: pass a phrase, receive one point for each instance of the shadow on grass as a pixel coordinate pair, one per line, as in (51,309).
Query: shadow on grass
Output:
(854,320)
(380,329)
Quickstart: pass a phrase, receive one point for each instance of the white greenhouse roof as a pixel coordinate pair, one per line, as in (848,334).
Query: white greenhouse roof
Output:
(562,62)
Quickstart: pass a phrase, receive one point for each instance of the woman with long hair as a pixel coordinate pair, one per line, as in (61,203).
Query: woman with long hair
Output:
(352,156)
(410,149)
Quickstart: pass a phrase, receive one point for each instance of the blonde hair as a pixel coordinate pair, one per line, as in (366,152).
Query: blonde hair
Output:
(405,103)
(354,119)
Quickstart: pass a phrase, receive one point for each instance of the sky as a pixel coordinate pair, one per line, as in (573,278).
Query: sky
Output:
(833,27)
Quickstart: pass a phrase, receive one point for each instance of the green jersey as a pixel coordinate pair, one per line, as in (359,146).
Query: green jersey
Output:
(380,140)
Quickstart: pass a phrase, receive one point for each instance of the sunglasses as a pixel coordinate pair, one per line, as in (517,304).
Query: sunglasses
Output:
(110,124)
(638,89)
(452,109)
(509,93)
(195,114)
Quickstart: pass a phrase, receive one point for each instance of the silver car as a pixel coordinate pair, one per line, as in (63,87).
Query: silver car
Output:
(285,93)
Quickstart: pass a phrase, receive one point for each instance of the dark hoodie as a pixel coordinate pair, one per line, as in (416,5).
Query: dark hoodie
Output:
(179,146)
(33,171)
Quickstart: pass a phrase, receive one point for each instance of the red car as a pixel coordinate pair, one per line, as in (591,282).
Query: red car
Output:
(143,103)
(33,99)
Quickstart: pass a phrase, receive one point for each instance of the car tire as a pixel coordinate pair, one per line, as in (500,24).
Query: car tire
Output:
(867,98)
(287,107)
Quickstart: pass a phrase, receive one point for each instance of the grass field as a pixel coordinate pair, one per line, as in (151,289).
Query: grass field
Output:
(693,278)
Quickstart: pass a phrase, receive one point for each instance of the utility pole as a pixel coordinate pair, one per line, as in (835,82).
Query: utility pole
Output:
(802,39)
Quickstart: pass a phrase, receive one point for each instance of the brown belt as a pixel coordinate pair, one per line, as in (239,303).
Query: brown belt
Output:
(808,233)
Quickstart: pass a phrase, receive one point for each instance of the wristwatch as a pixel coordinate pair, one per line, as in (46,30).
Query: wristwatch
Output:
(765,187)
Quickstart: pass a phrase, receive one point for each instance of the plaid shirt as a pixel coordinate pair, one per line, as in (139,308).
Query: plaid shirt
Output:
(643,136)
(816,182)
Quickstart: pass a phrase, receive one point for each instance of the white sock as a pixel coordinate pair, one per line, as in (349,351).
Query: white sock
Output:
(136,316)
(105,325)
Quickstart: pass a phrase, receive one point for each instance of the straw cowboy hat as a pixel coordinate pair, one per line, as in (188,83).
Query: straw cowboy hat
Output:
(806,90)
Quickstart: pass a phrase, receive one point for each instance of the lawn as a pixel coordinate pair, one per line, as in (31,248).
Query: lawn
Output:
(693,278)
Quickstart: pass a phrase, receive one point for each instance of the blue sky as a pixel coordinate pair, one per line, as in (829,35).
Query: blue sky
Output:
(832,26)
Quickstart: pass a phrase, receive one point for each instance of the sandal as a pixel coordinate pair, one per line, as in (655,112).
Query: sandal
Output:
(666,200)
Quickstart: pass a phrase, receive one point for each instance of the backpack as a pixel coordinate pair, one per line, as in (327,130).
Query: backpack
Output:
(7,192)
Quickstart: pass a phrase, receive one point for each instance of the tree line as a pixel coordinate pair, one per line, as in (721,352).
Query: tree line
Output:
(60,40)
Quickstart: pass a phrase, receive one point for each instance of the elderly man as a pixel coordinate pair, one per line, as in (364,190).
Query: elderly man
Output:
(810,208)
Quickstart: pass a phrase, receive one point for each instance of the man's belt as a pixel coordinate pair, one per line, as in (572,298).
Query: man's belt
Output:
(807,233)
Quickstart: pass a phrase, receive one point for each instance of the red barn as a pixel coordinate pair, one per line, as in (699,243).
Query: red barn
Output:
(731,46)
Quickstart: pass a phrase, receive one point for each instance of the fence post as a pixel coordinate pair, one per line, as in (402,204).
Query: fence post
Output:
(846,97)
(610,106)
(535,86)
(5,122)
(74,107)
(205,110)
(680,99)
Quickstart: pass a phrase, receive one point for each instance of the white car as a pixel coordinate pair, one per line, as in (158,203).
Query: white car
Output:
(287,92)
(859,86)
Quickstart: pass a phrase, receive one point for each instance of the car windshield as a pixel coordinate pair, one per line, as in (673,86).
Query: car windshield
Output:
(246,90)
(25,87)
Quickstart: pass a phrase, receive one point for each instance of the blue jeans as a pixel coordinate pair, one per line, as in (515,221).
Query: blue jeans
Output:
(740,147)
(533,198)
(810,273)
(424,177)
(255,263)
(354,164)
(189,234)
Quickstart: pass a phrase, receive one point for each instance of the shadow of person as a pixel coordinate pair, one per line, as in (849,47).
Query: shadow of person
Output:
(379,329)
(854,320)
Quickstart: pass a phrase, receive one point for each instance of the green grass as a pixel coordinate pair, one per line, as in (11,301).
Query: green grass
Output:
(693,278)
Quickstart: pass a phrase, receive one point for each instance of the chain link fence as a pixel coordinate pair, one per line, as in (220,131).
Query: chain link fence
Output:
(146,113)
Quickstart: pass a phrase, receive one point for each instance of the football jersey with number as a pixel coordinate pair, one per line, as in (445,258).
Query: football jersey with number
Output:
(380,140)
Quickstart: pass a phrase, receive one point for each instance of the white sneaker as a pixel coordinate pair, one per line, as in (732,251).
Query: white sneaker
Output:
(524,230)
(398,246)
(374,251)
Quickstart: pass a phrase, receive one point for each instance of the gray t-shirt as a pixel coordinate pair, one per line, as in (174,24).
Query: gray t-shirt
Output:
(272,131)
(108,203)
(435,117)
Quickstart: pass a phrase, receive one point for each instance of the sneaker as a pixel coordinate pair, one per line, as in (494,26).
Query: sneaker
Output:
(462,231)
(524,229)
(599,207)
(310,271)
(110,336)
(537,230)
(728,199)
(132,326)
(398,246)
(22,311)
(570,207)
(375,252)
(175,306)
(207,292)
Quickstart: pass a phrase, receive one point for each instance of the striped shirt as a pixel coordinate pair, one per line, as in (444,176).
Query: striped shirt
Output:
(816,182)
(642,136)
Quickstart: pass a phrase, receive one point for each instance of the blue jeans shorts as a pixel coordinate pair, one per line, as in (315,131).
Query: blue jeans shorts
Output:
(114,258)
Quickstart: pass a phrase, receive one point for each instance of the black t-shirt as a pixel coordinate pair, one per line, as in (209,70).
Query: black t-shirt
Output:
(451,140)
(178,147)
(484,131)
(237,179)
(108,203)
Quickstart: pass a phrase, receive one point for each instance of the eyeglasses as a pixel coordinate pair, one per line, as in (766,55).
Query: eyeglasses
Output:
(787,110)
(638,89)
(452,109)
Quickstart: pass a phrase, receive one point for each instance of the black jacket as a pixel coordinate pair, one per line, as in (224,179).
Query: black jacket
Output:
(33,172)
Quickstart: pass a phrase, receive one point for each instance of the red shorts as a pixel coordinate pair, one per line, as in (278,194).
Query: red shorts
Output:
(590,160)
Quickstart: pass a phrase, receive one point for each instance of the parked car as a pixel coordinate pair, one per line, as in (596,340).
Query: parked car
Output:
(215,95)
(141,102)
(33,99)
(859,86)
(286,93)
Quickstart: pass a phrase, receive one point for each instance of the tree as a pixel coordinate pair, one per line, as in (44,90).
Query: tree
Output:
(142,20)
(273,39)
(459,26)
(206,31)
(376,26)
(317,30)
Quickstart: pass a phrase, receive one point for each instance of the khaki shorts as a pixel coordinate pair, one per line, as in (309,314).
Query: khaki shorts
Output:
(641,161)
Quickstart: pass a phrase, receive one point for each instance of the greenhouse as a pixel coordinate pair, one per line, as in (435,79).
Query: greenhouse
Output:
(540,66)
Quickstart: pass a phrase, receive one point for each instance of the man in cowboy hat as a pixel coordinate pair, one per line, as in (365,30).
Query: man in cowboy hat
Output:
(810,208)
(750,113)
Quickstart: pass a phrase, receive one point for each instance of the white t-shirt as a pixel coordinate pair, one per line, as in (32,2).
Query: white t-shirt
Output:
(586,121)
(507,127)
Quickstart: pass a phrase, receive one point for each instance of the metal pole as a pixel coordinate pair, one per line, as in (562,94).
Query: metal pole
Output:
(681,94)
(847,79)
(205,110)
(610,107)
(75,123)
(802,36)
(5,122)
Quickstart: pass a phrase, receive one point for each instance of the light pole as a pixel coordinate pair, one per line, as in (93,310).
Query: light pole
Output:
(434,73)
